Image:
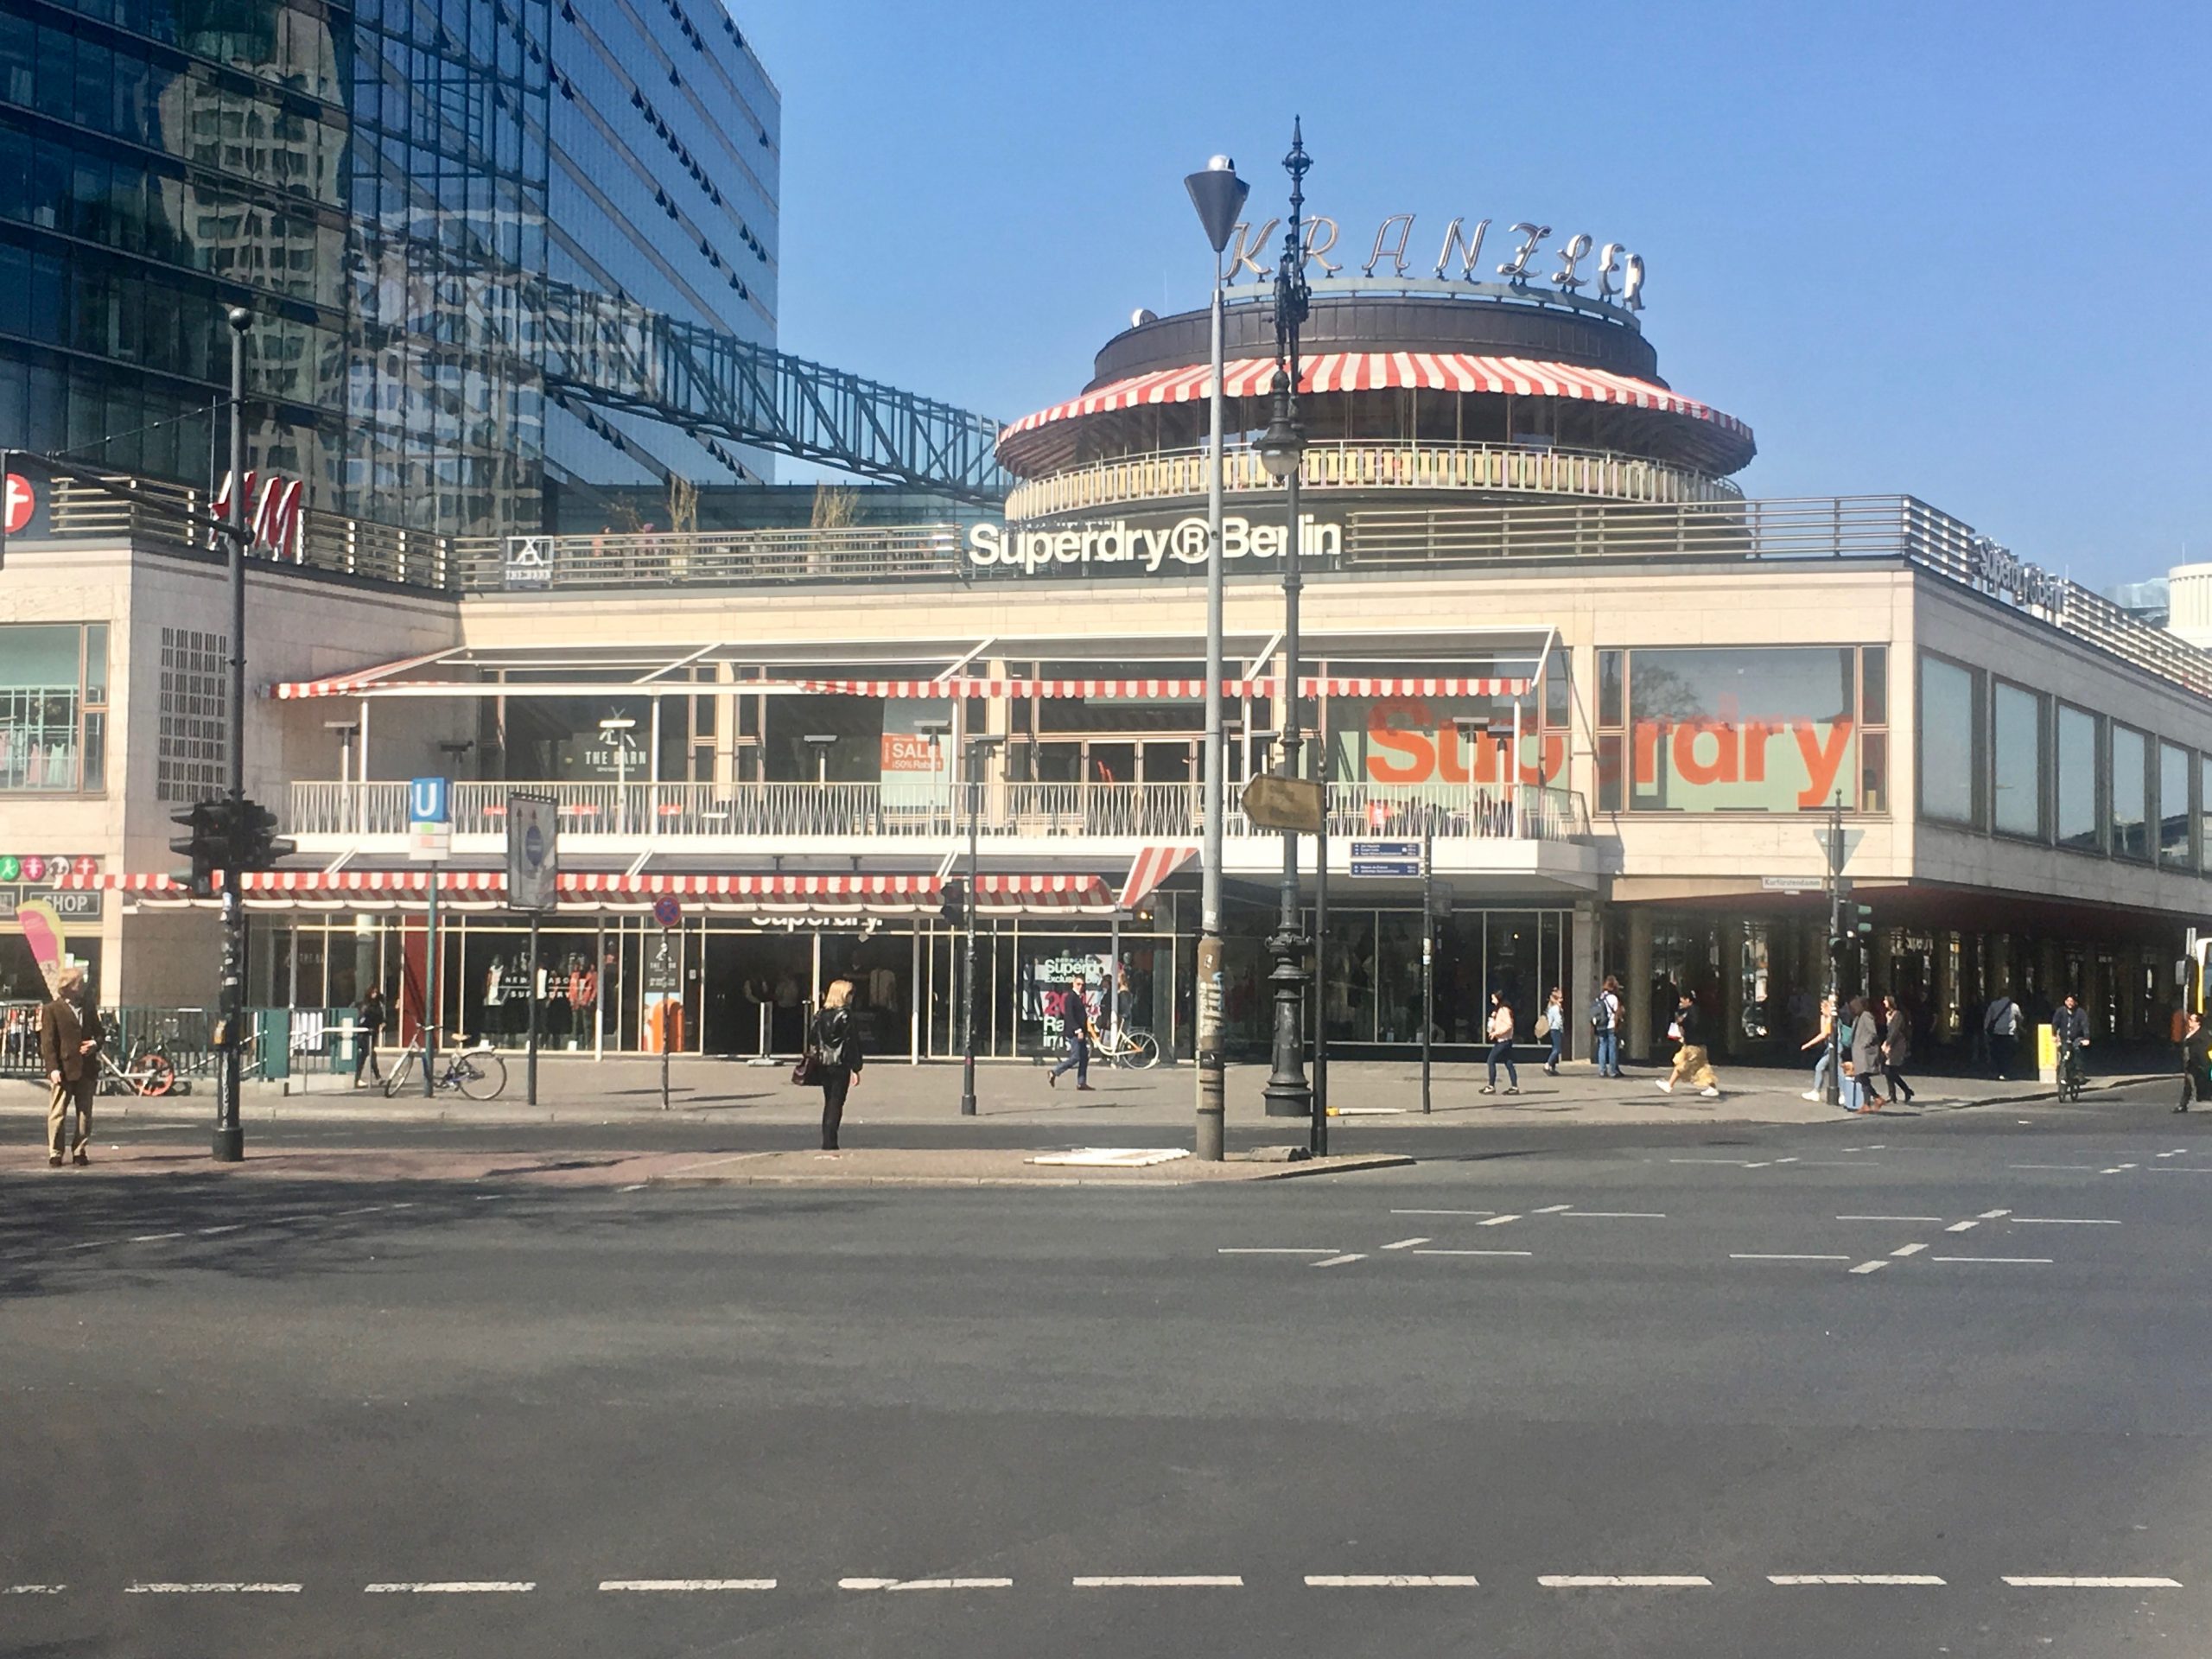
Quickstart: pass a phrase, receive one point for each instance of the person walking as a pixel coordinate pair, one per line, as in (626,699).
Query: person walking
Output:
(2070,1032)
(2000,1023)
(1605,1028)
(1866,1054)
(1897,1048)
(69,1049)
(1501,1045)
(1693,1062)
(835,1046)
(1822,1040)
(2196,1059)
(1553,1027)
(1079,1027)
(368,1021)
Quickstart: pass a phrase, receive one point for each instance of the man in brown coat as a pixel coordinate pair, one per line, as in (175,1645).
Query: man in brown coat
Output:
(69,1047)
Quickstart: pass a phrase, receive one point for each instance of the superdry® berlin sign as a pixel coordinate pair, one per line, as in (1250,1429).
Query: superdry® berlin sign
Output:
(1119,544)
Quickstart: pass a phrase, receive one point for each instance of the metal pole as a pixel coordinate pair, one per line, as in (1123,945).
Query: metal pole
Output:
(1427,963)
(1212,1071)
(672,1018)
(1834,1083)
(1321,941)
(431,998)
(529,990)
(230,1126)
(968,965)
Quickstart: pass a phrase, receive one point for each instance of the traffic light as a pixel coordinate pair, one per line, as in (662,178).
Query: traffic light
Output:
(952,904)
(257,845)
(1865,926)
(207,845)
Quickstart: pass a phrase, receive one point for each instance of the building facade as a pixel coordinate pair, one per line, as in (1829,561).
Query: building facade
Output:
(427,209)
(1543,631)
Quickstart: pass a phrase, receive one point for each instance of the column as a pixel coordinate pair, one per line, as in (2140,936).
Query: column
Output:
(1735,934)
(1636,994)
(1581,976)
(1945,990)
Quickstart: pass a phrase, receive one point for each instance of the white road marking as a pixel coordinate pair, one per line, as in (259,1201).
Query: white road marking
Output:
(153,1238)
(2078,1168)
(1780,1161)
(1852,1578)
(2061,1221)
(1962,1227)
(1443,1212)
(365,1210)
(635,1187)
(227,1227)
(1758,1165)
(655,1585)
(1165,1581)
(1875,1265)
(2115,1169)
(1623,1581)
(1993,1215)
(210,1589)
(32,1589)
(1551,1210)
(1733,1163)
(1405,1244)
(1390,1581)
(2176,1153)
(1921,1218)
(1274,1250)
(2176,1169)
(1497,1221)
(925,1584)
(1907,1249)
(1474,1252)
(1619,1215)
(2092,1584)
(1340,1261)
(2001,1260)
(453,1587)
(1751,1256)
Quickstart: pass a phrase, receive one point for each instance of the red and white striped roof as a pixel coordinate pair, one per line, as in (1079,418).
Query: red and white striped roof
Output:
(1149,868)
(783,889)
(340,685)
(1380,370)
(1167,690)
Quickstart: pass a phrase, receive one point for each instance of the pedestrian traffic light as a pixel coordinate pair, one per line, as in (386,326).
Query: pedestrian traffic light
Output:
(207,844)
(256,844)
(1865,920)
(952,904)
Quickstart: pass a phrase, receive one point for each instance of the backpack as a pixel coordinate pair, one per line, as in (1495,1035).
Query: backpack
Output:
(1599,1013)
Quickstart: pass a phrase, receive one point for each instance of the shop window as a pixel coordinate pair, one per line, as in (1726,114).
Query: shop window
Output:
(2017,751)
(1950,747)
(2175,816)
(1612,672)
(2204,810)
(52,713)
(2080,826)
(2130,816)
(1765,729)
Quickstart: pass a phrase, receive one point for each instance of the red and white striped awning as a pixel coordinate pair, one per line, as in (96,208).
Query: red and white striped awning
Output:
(491,884)
(341,685)
(1380,371)
(1149,868)
(1163,691)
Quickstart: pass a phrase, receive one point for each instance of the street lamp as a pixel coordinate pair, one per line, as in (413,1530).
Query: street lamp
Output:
(1287,1094)
(229,1127)
(820,743)
(978,747)
(1219,194)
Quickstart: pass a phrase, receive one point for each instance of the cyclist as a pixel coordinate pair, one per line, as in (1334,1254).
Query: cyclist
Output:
(2070,1029)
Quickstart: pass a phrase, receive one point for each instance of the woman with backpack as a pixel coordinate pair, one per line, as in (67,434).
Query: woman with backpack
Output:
(1553,1026)
(1501,1045)
(1606,1029)
(834,1058)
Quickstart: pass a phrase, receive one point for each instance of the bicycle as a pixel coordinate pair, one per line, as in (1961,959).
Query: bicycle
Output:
(1128,1048)
(2071,1075)
(477,1072)
(144,1070)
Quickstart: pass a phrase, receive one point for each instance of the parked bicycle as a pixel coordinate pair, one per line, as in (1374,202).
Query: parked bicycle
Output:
(1128,1048)
(477,1072)
(144,1071)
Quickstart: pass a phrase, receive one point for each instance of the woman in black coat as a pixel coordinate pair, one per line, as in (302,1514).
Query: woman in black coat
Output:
(835,1042)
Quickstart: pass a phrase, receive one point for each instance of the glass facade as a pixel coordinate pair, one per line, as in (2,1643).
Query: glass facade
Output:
(2080,826)
(2017,753)
(54,708)
(388,185)
(1950,740)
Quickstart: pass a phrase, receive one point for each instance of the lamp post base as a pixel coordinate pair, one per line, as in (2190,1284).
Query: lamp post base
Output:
(1287,1093)
(230,1143)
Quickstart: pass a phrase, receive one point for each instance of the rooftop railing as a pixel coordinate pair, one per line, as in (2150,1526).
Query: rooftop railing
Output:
(798,810)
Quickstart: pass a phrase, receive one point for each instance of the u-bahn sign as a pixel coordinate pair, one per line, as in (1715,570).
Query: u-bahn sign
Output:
(1123,547)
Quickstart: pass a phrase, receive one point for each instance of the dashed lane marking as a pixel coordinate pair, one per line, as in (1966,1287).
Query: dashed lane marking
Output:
(1892,1579)
(1405,1244)
(1390,1581)
(1497,1221)
(1474,1252)
(1875,1265)
(2176,1153)
(153,1238)
(227,1227)
(1443,1212)
(233,1589)
(1907,1249)
(2079,1169)
(1999,1260)
(924,1583)
(2028,1583)
(1161,1581)
(1901,1218)
(32,1589)
(1780,1256)
(1962,1227)
(1993,1215)
(453,1587)
(1551,1210)
(1624,1582)
(1341,1261)
(656,1585)
(2115,1169)
(2062,1221)
(1274,1250)
(1615,1215)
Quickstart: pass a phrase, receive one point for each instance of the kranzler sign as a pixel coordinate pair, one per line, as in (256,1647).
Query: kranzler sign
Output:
(1119,547)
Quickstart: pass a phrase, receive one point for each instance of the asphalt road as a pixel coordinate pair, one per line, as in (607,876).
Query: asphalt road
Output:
(1548,1392)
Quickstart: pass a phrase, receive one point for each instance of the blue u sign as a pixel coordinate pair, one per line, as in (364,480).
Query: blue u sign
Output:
(427,802)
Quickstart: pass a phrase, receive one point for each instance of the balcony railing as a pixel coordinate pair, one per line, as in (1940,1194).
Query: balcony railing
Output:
(780,811)
(1508,469)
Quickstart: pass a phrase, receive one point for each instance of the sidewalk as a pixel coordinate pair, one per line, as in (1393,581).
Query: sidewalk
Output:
(1376,1094)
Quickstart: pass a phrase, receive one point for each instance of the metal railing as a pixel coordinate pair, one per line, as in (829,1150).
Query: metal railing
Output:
(787,811)
(1183,474)
(873,553)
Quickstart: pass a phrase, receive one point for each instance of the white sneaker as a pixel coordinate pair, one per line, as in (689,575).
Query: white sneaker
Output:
(1709,1094)
(1666,1085)
(1810,1094)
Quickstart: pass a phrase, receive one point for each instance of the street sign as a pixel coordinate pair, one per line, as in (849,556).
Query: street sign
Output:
(667,911)
(1277,803)
(1851,840)
(662,976)
(1399,858)
(533,851)
(1793,883)
(429,820)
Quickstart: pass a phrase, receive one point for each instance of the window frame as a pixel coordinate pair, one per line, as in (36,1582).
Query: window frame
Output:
(90,713)
(1978,701)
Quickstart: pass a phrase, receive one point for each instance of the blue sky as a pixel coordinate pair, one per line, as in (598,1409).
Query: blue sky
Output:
(1955,250)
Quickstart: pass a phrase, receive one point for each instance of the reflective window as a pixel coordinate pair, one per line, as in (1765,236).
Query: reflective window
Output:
(2017,756)
(2204,810)
(1610,671)
(52,729)
(1950,745)
(2173,806)
(1761,730)
(2077,781)
(2130,816)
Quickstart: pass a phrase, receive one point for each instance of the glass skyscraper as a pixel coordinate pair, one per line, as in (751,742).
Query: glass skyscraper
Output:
(410,195)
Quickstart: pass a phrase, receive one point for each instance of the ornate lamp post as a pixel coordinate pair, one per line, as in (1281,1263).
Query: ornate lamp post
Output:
(1281,446)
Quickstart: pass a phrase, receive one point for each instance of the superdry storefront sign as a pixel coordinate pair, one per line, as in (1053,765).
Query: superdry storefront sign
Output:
(1122,547)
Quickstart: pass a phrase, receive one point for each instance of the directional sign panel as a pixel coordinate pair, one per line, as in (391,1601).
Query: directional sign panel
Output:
(1400,858)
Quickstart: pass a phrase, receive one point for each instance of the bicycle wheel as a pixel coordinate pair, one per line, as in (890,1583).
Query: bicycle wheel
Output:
(154,1074)
(482,1075)
(400,1069)
(1143,1051)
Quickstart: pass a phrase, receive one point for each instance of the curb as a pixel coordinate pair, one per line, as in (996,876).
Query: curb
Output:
(1154,1183)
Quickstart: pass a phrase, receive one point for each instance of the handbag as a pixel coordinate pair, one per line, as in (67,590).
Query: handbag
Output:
(808,1072)
(1543,1024)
